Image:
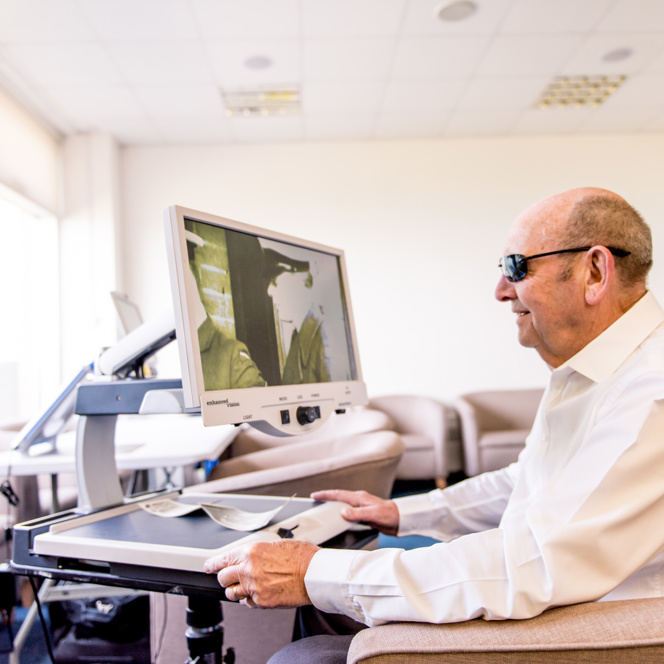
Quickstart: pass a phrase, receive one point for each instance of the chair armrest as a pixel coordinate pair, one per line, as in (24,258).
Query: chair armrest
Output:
(621,631)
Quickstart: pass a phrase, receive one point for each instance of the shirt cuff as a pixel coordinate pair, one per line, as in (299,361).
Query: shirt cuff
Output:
(326,581)
(417,513)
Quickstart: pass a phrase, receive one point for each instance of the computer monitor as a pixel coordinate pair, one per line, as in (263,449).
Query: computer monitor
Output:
(127,311)
(49,424)
(263,323)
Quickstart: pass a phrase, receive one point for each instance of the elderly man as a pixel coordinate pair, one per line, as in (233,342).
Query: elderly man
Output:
(578,517)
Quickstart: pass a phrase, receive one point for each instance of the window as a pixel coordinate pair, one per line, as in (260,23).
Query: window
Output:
(30,321)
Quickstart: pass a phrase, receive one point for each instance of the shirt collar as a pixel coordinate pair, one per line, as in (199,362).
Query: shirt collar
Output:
(604,354)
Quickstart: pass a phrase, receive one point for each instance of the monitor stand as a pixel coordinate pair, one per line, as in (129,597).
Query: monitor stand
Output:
(205,635)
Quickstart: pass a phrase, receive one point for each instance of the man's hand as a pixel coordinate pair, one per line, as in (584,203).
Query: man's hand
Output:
(265,574)
(383,515)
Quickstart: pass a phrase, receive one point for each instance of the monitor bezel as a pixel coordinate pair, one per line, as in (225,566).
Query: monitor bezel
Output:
(259,406)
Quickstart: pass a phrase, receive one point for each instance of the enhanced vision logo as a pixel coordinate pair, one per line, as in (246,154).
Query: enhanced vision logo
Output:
(219,402)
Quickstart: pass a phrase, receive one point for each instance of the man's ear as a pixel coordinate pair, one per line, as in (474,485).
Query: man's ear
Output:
(600,273)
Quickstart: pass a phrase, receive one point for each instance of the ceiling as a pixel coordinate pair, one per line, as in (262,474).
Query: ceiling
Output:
(151,71)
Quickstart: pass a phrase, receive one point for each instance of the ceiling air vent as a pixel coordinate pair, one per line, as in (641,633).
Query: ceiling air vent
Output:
(579,91)
(262,102)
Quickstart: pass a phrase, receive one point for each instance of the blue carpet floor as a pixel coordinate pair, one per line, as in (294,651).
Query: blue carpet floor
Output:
(34,651)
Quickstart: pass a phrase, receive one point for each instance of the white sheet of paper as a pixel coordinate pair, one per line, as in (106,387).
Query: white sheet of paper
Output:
(236,519)
(168,507)
(225,515)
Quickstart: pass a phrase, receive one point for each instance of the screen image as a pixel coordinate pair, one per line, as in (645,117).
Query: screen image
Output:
(271,313)
(260,311)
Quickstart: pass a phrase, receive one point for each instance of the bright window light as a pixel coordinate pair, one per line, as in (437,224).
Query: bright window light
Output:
(30,330)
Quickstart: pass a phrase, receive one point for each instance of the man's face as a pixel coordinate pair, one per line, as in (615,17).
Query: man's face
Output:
(550,311)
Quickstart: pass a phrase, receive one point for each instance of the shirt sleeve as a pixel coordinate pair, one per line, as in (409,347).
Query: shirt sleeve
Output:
(471,506)
(581,534)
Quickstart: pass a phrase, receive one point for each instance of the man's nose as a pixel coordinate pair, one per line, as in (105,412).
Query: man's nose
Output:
(504,290)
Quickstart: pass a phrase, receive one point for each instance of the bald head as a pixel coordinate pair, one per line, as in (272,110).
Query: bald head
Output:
(590,216)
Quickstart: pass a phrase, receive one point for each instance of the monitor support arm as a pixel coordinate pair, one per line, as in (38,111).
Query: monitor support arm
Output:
(99,404)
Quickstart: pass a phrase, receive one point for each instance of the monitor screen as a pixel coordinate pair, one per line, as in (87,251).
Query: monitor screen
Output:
(263,323)
(128,314)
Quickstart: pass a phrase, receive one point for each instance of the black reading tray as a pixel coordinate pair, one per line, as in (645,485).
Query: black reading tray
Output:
(130,547)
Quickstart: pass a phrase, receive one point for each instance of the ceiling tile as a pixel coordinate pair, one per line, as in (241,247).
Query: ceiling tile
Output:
(203,130)
(341,97)
(656,124)
(159,63)
(134,131)
(43,20)
(349,58)
(144,20)
(442,57)
(551,121)
(481,123)
(339,126)
(606,120)
(190,101)
(411,96)
(367,68)
(90,105)
(409,125)
(587,59)
(526,55)
(561,16)
(639,90)
(246,19)
(634,16)
(421,19)
(322,18)
(229,58)
(656,65)
(269,129)
(63,64)
(503,93)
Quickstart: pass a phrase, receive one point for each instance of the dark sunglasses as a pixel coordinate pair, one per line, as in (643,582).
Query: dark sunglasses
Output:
(515,266)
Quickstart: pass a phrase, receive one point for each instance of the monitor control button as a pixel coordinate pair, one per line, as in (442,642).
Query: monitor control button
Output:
(307,414)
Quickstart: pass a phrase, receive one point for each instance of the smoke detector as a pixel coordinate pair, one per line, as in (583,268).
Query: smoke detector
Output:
(455,10)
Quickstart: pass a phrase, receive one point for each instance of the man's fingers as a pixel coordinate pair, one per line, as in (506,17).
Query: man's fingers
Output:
(354,498)
(367,514)
(228,576)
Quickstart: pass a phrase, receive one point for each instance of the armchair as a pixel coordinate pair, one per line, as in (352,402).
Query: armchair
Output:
(494,426)
(362,461)
(354,421)
(621,632)
(429,430)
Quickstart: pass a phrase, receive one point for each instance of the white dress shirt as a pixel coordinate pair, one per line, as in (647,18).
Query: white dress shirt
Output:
(579,516)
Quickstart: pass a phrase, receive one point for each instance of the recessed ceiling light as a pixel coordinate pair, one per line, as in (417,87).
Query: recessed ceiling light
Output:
(258,62)
(455,10)
(618,55)
(262,102)
(578,91)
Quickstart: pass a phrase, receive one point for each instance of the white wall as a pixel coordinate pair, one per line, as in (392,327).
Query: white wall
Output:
(29,156)
(89,254)
(422,224)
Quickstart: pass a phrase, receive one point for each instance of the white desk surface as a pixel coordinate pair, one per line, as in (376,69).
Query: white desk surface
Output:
(141,442)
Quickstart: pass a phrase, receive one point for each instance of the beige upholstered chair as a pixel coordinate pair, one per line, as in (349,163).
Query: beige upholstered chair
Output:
(430,432)
(361,461)
(494,426)
(354,421)
(625,632)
